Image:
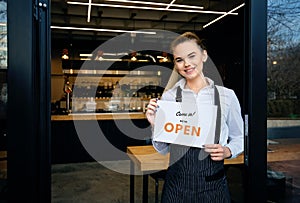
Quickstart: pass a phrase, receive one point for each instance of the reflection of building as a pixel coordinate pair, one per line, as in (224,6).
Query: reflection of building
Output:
(3,11)
(3,93)
(3,35)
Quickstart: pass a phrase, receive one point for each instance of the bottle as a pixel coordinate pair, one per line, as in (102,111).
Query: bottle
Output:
(68,91)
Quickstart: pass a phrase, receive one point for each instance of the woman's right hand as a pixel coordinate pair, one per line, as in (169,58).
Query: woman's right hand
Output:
(151,110)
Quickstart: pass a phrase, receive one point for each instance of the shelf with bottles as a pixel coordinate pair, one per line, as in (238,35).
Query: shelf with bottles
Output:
(124,86)
(107,87)
(110,94)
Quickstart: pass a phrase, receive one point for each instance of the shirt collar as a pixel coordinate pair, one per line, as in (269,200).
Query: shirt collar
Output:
(182,83)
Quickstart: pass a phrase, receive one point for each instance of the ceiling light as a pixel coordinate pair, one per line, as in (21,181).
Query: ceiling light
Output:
(89,11)
(105,59)
(143,60)
(167,6)
(170,4)
(133,58)
(222,16)
(85,55)
(163,60)
(105,54)
(65,57)
(103,30)
(150,8)
(65,54)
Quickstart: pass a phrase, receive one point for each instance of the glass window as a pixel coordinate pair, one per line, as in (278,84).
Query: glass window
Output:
(3,92)
(283,58)
(283,99)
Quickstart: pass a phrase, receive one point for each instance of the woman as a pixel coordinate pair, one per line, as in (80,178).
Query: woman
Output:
(197,174)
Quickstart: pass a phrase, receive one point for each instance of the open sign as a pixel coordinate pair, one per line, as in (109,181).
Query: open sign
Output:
(185,123)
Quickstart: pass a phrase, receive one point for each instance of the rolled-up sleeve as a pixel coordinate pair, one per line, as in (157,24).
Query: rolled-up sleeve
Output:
(161,147)
(236,128)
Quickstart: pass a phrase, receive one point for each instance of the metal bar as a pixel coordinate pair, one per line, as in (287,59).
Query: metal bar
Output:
(145,188)
(131,182)
(28,107)
(256,68)
(43,99)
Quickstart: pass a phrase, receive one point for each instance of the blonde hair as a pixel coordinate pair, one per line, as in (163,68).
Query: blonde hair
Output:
(187,36)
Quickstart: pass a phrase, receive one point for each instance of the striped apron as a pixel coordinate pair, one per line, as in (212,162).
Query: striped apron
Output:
(193,177)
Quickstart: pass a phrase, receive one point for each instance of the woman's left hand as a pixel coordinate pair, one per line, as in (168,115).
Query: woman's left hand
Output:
(217,152)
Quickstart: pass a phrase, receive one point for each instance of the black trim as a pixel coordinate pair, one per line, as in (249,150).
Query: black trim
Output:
(218,121)
(29,169)
(256,72)
(178,94)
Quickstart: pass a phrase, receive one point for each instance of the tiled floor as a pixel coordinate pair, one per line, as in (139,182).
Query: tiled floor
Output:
(93,183)
(290,170)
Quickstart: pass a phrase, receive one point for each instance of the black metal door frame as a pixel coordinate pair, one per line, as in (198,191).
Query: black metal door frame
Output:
(29,166)
(256,100)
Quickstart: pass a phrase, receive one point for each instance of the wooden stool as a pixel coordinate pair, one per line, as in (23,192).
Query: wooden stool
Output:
(158,176)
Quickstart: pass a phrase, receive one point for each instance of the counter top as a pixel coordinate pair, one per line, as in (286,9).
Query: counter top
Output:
(98,116)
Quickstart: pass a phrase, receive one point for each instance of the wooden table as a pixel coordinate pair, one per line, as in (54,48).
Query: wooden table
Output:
(146,159)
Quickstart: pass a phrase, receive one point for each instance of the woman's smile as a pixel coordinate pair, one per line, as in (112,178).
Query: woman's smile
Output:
(189,70)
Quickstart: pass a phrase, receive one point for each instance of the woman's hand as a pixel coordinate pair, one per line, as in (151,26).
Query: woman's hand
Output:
(217,152)
(151,110)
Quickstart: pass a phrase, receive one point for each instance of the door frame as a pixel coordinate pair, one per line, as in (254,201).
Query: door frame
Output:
(28,138)
(255,94)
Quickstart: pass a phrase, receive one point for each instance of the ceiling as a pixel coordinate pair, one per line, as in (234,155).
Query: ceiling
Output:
(109,14)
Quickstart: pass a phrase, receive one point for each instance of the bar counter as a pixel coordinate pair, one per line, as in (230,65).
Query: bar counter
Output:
(99,116)
(119,129)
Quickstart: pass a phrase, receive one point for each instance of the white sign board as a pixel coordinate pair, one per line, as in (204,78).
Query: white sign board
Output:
(186,124)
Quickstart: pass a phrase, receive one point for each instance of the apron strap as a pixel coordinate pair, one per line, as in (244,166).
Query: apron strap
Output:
(217,103)
(218,122)
(179,94)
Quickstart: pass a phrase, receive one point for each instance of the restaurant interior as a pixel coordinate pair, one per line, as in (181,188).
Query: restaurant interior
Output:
(108,59)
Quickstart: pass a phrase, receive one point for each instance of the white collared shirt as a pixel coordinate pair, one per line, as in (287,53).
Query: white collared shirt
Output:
(232,126)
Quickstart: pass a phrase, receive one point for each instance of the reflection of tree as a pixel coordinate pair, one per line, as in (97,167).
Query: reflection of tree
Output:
(284,49)
(284,73)
(283,22)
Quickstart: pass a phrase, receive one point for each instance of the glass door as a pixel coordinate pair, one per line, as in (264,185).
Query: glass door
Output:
(283,102)
(71,39)
(3,98)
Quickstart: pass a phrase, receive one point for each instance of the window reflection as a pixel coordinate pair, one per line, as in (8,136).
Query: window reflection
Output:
(3,93)
(283,100)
